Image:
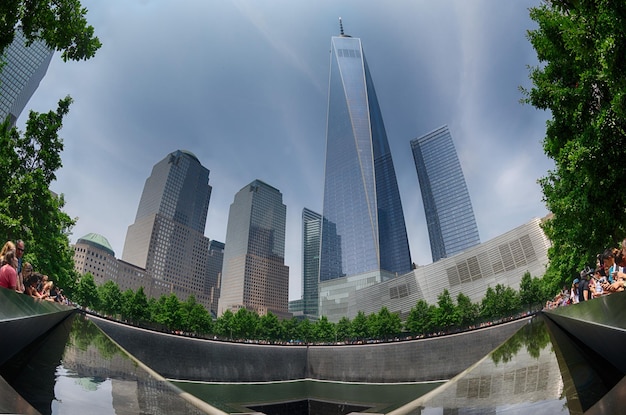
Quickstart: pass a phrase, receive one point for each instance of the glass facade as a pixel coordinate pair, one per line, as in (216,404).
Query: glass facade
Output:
(449,214)
(363,223)
(167,237)
(254,274)
(311,233)
(25,66)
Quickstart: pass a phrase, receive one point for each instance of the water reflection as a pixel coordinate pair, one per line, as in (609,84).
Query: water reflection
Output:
(540,369)
(77,369)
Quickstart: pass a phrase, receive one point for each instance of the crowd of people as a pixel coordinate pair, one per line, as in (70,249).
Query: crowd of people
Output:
(18,275)
(609,276)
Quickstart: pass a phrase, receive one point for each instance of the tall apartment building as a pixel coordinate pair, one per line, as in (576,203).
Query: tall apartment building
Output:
(254,274)
(25,67)
(449,214)
(363,228)
(167,238)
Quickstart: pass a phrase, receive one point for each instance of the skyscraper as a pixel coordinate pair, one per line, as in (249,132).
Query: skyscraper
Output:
(311,233)
(363,222)
(214,274)
(167,238)
(254,274)
(19,78)
(447,205)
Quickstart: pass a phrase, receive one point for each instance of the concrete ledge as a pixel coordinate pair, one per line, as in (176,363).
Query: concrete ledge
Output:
(184,358)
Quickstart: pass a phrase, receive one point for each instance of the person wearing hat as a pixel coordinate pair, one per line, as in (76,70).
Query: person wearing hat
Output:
(573,295)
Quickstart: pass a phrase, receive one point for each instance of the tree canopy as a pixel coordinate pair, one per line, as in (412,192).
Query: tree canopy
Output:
(61,24)
(581,80)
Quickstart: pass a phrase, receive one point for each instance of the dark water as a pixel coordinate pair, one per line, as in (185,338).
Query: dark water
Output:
(76,369)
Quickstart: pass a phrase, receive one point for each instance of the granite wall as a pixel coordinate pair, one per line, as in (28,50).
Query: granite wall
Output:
(184,358)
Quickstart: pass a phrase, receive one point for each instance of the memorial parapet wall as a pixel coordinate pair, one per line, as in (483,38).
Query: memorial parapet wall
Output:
(185,358)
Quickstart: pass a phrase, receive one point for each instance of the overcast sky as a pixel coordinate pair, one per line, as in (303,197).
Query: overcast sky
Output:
(244,86)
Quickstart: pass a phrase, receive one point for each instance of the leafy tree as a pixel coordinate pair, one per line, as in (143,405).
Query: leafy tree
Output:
(86,293)
(305,331)
(467,311)
(194,317)
(344,329)
(489,305)
(324,330)
(139,306)
(531,290)
(386,324)
(128,297)
(446,315)
(224,325)
(270,327)
(360,328)
(110,298)
(28,210)
(581,80)
(418,321)
(509,302)
(61,24)
(245,323)
(290,329)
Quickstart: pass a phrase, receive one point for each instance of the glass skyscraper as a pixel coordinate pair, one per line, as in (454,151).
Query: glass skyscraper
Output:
(363,227)
(25,67)
(254,274)
(447,205)
(311,238)
(167,238)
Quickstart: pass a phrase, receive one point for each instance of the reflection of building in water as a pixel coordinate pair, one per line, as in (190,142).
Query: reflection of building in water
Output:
(133,390)
(518,379)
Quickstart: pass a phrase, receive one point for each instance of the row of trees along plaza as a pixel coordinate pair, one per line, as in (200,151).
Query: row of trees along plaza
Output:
(580,80)
(168,313)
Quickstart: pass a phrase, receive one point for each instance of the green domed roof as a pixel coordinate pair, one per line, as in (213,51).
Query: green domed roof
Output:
(97,241)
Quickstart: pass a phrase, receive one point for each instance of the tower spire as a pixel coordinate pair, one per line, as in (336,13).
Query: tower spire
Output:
(341,27)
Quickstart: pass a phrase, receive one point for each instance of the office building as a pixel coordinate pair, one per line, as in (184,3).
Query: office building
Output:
(254,274)
(502,260)
(25,67)
(167,238)
(311,233)
(214,274)
(363,228)
(447,205)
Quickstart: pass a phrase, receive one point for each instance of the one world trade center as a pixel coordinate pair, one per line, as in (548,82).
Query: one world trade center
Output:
(363,226)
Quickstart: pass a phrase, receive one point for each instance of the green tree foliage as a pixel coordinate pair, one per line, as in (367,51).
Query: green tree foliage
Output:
(28,210)
(344,329)
(385,325)
(581,80)
(531,291)
(270,328)
(467,312)
(419,321)
(245,324)
(194,317)
(290,329)
(61,24)
(305,331)
(360,327)
(324,330)
(110,298)
(446,315)
(224,325)
(86,292)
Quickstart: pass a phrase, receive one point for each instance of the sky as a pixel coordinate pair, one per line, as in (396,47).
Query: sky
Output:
(244,86)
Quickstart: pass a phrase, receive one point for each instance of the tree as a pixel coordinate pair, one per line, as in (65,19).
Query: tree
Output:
(324,330)
(467,311)
(360,329)
(61,24)
(418,321)
(245,323)
(344,329)
(28,210)
(86,293)
(386,324)
(446,315)
(305,331)
(110,298)
(581,80)
(530,291)
(194,317)
(269,327)
(224,325)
